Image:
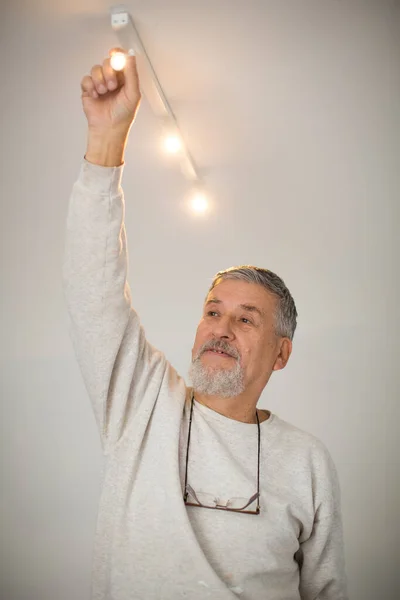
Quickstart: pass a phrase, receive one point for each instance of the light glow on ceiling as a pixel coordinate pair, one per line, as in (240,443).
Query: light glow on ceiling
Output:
(172,144)
(199,202)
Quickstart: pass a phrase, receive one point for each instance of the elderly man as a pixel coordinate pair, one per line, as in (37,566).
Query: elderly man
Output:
(204,495)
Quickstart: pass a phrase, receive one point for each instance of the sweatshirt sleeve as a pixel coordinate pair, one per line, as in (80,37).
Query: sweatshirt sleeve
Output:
(321,555)
(121,370)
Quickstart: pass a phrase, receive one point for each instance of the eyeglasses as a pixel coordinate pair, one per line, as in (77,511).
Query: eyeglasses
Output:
(203,500)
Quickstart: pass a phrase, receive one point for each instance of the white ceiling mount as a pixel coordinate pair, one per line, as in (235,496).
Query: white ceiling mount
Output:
(128,37)
(119,19)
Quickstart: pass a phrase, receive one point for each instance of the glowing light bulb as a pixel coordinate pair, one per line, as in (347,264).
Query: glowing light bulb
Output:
(172,144)
(118,61)
(199,203)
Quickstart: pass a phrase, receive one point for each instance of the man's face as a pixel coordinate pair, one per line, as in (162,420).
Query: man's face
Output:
(239,319)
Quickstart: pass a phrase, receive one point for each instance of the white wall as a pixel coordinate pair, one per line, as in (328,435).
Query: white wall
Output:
(292,107)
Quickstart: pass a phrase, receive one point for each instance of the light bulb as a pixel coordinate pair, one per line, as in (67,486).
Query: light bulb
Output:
(118,61)
(199,202)
(172,144)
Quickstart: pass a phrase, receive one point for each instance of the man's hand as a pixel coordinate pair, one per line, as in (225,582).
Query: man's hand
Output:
(110,101)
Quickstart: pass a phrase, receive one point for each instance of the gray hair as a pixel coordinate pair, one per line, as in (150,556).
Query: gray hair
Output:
(286,313)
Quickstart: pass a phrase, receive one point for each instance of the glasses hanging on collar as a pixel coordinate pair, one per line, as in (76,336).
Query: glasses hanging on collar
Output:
(210,501)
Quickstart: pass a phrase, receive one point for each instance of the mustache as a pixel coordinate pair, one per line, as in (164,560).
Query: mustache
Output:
(218,345)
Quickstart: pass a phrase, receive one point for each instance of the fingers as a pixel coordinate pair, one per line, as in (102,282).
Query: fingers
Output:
(94,84)
(110,76)
(98,79)
(88,87)
(131,77)
(103,78)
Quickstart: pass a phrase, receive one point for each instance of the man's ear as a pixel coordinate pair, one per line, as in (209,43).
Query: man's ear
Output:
(285,350)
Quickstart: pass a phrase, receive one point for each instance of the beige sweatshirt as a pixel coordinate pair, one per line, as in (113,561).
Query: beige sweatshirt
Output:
(149,544)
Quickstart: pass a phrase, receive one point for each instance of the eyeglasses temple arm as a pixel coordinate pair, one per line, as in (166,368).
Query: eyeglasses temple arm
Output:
(187,449)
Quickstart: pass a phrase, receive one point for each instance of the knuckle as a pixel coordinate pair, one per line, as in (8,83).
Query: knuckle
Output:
(86,82)
(97,73)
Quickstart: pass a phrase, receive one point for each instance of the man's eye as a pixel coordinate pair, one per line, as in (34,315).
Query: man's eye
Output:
(211,313)
(246,321)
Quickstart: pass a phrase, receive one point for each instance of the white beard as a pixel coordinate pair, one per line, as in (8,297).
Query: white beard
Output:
(217,381)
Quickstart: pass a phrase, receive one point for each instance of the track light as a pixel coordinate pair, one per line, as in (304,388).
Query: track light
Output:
(128,37)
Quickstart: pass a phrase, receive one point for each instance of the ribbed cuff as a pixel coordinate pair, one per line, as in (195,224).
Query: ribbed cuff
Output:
(101,180)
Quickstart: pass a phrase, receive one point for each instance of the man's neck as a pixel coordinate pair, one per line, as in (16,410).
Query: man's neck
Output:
(239,408)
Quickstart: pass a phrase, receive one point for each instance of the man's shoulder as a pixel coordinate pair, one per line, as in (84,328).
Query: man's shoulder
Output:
(300,441)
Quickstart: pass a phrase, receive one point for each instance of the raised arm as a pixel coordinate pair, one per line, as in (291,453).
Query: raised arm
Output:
(121,370)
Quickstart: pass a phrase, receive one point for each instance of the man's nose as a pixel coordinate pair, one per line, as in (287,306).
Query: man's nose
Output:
(223,328)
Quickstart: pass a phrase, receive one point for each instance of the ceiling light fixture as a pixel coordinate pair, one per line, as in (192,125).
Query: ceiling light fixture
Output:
(128,37)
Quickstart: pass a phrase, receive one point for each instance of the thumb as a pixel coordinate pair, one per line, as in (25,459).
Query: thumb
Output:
(131,76)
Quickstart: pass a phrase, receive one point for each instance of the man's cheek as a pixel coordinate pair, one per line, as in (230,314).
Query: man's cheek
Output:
(245,355)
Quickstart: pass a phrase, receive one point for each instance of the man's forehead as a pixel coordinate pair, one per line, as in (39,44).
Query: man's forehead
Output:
(251,305)
(242,292)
